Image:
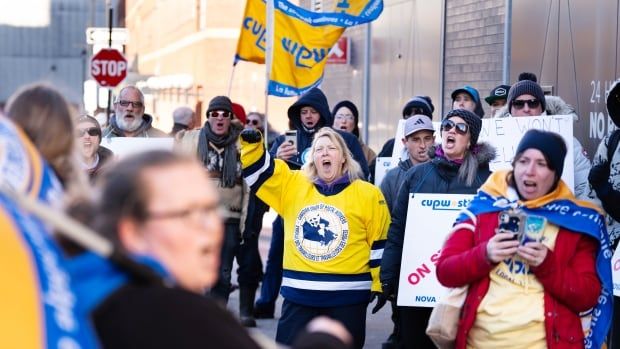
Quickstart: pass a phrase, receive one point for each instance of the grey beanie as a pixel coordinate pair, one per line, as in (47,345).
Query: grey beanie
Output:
(472,120)
(220,103)
(526,87)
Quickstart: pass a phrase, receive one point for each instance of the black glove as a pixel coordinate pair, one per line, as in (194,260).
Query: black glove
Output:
(599,174)
(382,297)
(251,135)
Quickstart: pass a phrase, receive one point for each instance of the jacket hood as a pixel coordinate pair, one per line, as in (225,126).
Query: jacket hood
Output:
(316,99)
(405,164)
(354,111)
(147,120)
(555,106)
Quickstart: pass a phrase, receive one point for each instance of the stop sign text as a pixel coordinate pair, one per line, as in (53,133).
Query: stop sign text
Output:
(108,67)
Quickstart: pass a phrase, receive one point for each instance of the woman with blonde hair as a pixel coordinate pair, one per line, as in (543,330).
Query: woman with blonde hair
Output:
(335,226)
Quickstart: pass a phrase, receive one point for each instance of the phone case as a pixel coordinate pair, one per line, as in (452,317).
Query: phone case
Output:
(511,222)
(534,228)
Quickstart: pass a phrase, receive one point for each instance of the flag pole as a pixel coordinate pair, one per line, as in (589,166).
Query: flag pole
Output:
(268,62)
(230,82)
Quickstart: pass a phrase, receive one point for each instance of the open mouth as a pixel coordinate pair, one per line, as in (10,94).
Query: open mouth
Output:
(450,140)
(529,184)
(343,127)
(327,164)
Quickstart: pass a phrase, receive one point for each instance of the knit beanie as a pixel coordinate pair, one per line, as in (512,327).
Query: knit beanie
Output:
(239,112)
(353,110)
(423,102)
(220,103)
(526,87)
(472,120)
(551,144)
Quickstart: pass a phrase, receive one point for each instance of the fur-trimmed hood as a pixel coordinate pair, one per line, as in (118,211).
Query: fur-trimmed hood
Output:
(484,153)
(555,106)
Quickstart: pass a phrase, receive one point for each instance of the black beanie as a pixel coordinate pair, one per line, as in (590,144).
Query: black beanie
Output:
(526,87)
(220,103)
(423,102)
(353,110)
(551,144)
(472,120)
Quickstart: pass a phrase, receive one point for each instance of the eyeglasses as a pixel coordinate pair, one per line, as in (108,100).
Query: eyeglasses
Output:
(92,131)
(252,122)
(531,103)
(216,113)
(461,127)
(124,103)
(349,117)
(196,214)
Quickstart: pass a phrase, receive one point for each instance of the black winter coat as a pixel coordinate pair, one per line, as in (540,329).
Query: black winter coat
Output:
(436,176)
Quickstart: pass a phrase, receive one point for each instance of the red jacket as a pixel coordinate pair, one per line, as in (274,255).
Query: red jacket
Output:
(568,275)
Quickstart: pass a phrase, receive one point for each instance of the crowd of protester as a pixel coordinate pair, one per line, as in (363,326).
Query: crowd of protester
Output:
(180,217)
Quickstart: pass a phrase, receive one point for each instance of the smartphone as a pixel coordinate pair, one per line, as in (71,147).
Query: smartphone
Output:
(290,136)
(533,229)
(511,222)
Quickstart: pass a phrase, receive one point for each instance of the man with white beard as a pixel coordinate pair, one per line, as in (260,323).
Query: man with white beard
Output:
(129,119)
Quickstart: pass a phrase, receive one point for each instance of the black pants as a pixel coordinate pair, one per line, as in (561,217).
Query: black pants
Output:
(295,317)
(230,247)
(614,331)
(413,322)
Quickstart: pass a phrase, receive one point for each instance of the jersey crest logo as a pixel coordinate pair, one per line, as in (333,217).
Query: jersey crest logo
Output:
(321,232)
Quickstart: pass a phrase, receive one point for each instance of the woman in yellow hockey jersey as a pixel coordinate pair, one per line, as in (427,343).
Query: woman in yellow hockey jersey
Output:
(335,225)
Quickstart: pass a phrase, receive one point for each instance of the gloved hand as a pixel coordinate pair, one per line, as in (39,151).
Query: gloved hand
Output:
(599,174)
(251,135)
(382,297)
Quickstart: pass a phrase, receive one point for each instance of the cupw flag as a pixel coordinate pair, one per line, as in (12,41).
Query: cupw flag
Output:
(301,39)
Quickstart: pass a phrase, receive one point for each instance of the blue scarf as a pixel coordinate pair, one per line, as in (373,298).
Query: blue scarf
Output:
(562,209)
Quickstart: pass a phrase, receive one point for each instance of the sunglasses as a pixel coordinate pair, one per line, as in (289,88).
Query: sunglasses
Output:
(461,127)
(124,103)
(92,131)
(252,122)
(531,103)
(216,113)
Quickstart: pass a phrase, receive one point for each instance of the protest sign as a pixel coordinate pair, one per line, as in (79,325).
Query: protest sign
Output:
(615,271)
(382,166)
(429,220)
(505,133)
(123,146)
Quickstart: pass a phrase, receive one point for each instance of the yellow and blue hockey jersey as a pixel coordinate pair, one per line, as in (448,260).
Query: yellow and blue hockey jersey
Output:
(332,243)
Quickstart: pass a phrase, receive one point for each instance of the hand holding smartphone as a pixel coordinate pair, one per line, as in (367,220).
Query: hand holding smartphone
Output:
(290,137)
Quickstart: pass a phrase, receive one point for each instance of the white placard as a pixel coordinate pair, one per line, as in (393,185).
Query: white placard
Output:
(615,271)
(429,220)
(382,165)
(505,133)
(123,146)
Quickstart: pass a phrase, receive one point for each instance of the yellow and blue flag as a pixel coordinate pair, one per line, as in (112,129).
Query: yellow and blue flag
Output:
(302,39)
(39,306)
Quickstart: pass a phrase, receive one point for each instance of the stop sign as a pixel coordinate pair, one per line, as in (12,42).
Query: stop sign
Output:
(108,67)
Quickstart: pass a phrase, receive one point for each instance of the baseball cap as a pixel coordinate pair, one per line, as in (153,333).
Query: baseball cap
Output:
(417,123)
(499,92)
